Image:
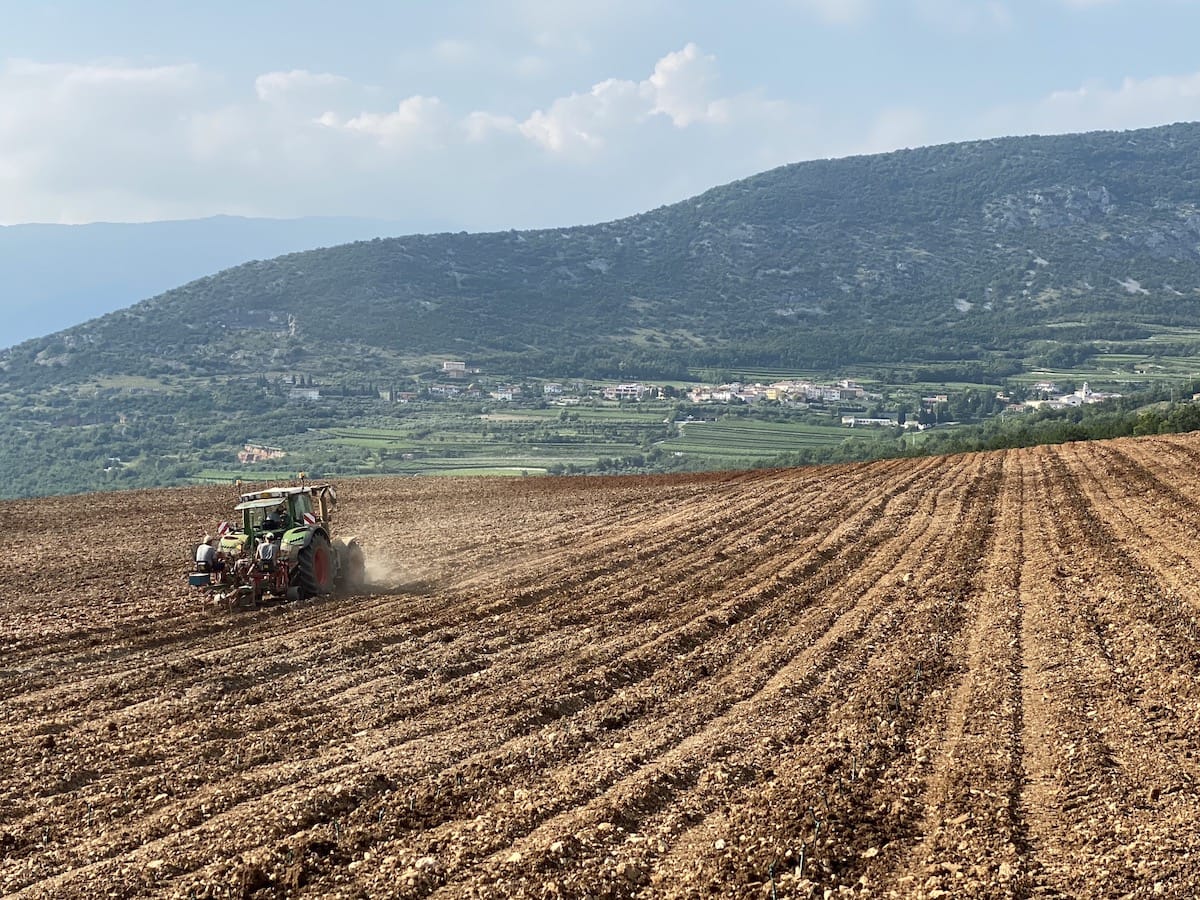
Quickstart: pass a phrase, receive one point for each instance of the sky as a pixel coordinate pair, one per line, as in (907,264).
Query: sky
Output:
(484,115)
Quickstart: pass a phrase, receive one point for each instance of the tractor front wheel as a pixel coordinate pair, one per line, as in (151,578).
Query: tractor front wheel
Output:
(315,563)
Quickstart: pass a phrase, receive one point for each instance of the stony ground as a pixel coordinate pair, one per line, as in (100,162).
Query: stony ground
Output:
(966,676)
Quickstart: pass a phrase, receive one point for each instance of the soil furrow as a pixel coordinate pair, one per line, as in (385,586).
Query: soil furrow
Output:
(1105,759)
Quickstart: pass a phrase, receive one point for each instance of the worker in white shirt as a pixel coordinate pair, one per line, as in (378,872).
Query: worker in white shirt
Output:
(268,551)
(206,554)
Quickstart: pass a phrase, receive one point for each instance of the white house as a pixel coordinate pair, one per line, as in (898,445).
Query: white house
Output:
(626,392)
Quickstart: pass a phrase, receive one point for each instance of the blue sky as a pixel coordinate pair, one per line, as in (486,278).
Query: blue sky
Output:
(464,114)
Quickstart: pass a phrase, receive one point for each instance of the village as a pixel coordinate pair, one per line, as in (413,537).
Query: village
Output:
(858,407)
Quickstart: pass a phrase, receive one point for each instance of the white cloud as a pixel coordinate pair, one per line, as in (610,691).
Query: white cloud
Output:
(74,137)
(75,78)
(681,89)
(412,119)
(1135,103)
(682,85)
(581,121)
(275,86)
(481,126)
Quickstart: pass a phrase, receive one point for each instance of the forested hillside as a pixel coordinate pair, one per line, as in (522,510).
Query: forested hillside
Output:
(56,276)
(987,250)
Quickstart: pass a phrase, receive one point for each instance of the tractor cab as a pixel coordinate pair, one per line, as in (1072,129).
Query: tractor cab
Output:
(284,509)
(265,514)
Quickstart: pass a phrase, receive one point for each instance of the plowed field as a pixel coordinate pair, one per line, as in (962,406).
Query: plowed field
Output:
(974,675)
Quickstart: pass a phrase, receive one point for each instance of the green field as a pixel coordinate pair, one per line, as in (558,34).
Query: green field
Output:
(1119,370)
(609,413)
(740,439)
(445,439)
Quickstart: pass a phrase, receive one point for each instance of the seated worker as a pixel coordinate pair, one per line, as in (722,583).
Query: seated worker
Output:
(206,555)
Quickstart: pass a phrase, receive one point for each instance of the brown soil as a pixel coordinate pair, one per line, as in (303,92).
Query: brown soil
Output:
(968,676)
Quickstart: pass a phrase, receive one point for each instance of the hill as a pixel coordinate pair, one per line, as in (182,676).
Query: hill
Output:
(973,675)
(990,250)
(56,276)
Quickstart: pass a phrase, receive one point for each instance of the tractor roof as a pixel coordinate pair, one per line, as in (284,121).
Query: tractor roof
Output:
(261,503)
(278,493)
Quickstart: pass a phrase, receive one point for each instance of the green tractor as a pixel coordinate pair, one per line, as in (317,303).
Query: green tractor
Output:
(282,547)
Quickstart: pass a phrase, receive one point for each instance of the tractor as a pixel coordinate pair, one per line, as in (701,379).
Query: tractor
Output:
(282,548)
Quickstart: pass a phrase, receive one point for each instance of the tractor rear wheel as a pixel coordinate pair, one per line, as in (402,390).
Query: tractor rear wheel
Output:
(315,564)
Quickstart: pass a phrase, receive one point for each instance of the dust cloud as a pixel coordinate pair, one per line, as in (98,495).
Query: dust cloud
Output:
(390,574)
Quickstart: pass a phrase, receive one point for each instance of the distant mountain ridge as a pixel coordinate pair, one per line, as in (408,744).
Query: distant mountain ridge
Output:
(985,250)
(56,276)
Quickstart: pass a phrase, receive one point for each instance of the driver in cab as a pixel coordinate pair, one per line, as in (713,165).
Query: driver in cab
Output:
(276,518)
